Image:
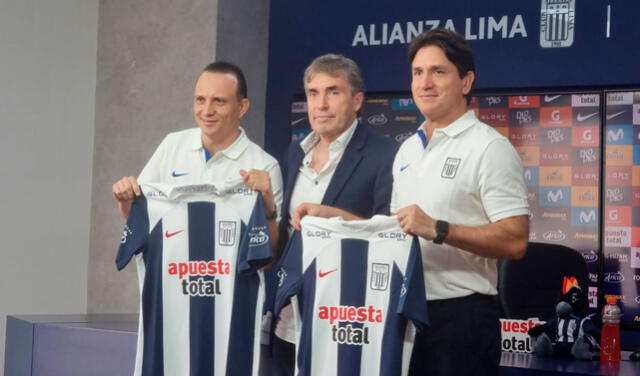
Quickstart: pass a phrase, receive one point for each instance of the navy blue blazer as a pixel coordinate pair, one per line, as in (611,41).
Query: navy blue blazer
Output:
(361,184)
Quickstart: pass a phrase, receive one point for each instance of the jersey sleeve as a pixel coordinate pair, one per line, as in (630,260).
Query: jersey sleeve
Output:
(413,299)
(255,246)
(289,272)
(135,232)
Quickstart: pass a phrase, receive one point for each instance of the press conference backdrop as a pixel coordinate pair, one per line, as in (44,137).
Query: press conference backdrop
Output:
(558,136)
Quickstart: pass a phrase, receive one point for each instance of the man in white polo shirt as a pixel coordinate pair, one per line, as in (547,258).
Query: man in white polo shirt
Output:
(458,185)
(217,151)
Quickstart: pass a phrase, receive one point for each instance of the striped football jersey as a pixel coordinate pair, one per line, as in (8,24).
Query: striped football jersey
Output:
(198,250)
(357,289)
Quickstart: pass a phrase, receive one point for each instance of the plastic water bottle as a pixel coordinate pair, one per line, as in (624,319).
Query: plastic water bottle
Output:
(610,342)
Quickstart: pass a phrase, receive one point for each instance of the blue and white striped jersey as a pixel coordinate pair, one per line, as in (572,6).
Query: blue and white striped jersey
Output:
(198,250)
(358,294)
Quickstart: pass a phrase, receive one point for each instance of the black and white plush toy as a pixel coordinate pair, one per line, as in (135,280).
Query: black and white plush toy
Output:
(571,332)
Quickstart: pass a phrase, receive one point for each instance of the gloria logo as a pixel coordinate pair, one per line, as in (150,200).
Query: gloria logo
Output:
(497,117)
(523,136)
(322,234)
(614,277)
(378,119)
(557,23)
(554,236)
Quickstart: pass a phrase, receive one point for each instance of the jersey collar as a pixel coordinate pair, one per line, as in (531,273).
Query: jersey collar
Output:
(460,125)
(233,151)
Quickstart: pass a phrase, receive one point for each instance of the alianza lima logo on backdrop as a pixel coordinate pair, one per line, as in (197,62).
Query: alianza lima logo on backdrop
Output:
(557,23)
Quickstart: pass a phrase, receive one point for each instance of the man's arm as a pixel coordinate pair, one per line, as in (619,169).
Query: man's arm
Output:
(506,238)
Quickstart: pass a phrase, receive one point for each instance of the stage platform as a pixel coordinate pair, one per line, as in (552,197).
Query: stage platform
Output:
(54,345)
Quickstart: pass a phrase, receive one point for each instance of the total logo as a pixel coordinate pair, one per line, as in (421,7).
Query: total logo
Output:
(556,235)
(379,119)
(349,334)
(614,277)
(208,283)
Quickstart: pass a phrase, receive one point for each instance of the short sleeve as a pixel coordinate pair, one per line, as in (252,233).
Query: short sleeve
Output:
(413,299)
(135,233)
(152,170)
(502,189)
(255,246)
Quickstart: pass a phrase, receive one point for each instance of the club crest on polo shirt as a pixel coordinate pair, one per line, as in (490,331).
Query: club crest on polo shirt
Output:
(450,168)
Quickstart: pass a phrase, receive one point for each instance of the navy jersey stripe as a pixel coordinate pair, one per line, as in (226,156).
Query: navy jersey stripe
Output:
(153,355)
(201,221)
(353,291)
(394,329)
(306,299)
(245,299)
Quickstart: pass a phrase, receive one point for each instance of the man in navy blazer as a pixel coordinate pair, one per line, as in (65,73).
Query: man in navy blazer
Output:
(341,168)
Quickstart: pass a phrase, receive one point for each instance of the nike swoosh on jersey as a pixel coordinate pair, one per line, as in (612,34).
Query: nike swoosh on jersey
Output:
(322,275)
(402,168)
(177,174)
(550,98)
(609,117)
(580,117)
(170,234)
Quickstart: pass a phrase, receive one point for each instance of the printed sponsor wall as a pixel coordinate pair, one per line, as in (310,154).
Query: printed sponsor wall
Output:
(621,274)
(558,136)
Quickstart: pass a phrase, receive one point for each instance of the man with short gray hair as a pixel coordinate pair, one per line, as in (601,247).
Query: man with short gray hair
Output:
(341,168)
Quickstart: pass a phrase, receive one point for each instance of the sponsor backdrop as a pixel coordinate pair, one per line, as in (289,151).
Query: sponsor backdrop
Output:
(621,274)
(558,138)
(540,46)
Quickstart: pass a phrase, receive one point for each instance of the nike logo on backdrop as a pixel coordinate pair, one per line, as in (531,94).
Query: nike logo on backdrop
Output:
(297,121)
(580,117)
(609,117)
(177,175)
(550,98)
(322,275)
(170,234)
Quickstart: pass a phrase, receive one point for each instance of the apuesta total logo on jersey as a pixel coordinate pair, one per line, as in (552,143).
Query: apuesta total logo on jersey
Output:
(208,283)
(350,334)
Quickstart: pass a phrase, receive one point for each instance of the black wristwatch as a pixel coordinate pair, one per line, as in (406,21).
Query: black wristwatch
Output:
(442,230)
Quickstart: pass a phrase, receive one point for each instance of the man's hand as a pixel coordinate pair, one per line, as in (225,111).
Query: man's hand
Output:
(316,210)
(124,191)
(415,221)
(259,180)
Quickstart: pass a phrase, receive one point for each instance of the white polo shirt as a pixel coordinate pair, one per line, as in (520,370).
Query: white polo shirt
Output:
(467,174)
(180,159)
(310,186)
